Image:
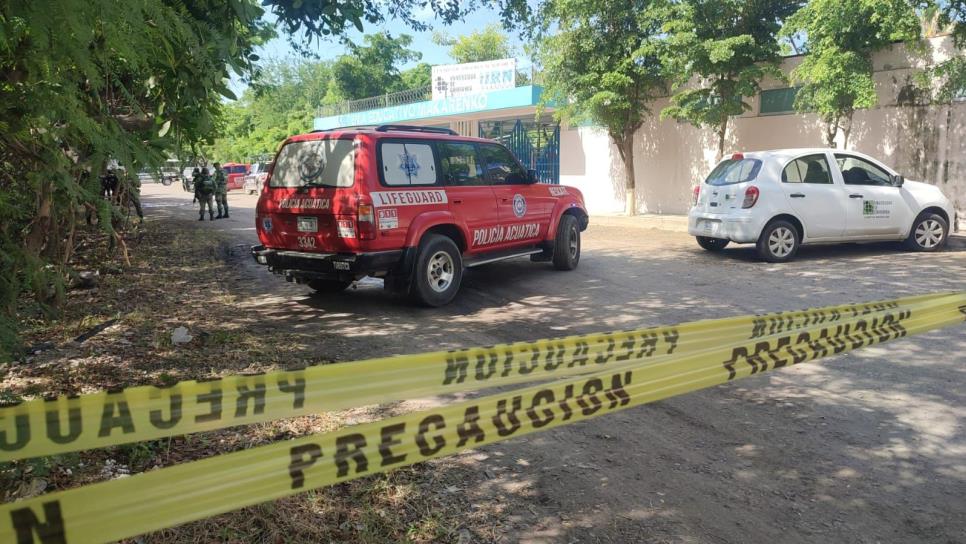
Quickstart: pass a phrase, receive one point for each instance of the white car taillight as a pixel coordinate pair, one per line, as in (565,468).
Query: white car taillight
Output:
(751,196)
(696,196)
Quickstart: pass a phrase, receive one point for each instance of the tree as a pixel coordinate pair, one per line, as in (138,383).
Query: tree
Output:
(489,43)
(602,65)
(836,74)
(372,69)
(83,82)
(417,77)
(951,73)
(730,45)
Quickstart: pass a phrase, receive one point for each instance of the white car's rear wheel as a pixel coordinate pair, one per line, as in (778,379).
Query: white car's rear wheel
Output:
(711,244)
(928,233)
(778,242)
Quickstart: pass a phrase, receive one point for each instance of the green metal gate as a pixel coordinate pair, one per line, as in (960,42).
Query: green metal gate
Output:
(536,144)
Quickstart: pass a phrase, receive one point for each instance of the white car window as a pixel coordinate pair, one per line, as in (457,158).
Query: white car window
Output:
(405,163)
(808,169)
(856,171)
(731,171)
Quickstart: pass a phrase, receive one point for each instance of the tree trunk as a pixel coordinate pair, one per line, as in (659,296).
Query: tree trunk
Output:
(625,147)
(722,133)
(831,128)
(847,131)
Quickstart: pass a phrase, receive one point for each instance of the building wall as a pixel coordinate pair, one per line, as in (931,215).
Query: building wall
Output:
(923,142)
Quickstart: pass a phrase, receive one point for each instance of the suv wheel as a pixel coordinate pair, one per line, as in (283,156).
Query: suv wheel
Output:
(928,233)
(329,286)
(711,244)
(439,271)
(566,246)
(778,242)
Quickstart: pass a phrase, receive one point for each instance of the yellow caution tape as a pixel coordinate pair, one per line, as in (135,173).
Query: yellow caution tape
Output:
(162,498)
(48,427)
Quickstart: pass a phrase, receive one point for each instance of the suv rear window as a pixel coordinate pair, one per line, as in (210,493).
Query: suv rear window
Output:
(731,171)
(324,163)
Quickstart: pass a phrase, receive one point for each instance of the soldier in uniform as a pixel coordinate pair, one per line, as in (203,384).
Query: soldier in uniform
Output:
(204,191)
(195,179)
(221,192)
(109,185)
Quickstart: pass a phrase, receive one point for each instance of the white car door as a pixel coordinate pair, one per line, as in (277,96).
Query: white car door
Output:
(876,208)
(815,197)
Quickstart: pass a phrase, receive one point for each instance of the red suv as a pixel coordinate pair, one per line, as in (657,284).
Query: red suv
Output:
(235,173)
(413,205)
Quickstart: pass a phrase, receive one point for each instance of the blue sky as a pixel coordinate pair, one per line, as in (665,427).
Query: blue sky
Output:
(279,48)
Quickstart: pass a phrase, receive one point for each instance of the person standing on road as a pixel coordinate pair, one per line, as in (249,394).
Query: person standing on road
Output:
(221,192)
(195,181)
(204,191)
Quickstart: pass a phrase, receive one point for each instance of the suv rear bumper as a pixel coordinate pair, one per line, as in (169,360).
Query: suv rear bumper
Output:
(303,265)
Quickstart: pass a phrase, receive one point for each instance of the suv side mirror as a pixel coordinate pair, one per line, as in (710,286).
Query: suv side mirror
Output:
(898,180)
(532,176)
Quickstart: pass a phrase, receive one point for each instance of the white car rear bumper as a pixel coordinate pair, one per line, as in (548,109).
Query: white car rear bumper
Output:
(740,229)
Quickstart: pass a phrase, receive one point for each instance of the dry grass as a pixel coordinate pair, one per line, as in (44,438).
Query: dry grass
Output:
(179,276)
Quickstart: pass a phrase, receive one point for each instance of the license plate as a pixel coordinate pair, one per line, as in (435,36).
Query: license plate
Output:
(710,227)
(307,224)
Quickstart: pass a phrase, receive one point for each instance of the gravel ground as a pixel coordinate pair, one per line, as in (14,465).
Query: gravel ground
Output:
(864,447)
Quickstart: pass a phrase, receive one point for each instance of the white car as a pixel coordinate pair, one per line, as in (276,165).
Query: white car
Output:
(784,198)
(253,182)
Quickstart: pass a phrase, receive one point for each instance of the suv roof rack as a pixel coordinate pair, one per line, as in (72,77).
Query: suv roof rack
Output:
(410,128)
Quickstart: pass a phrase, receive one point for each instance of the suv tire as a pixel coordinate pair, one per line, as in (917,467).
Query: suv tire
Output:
(712,244)
(928,233)
(439,271)
(778,242)
(328,286)
(566,246)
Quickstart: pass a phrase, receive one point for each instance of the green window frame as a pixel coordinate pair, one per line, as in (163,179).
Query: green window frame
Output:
(777,101)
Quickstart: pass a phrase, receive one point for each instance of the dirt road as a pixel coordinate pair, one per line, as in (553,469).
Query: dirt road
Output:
(865,447)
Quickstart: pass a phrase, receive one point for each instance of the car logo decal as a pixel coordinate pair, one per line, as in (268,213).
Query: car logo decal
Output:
(519,205)
(267,224)
(408,164)
(311,166)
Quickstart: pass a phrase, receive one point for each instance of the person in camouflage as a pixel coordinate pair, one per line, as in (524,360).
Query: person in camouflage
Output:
(195,179)
(221,192)
(204,191)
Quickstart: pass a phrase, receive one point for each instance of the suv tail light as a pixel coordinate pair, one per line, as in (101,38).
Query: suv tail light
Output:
(366,220)
(751,196)
(697,193)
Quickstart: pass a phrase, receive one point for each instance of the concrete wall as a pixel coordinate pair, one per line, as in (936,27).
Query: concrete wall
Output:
(923,142)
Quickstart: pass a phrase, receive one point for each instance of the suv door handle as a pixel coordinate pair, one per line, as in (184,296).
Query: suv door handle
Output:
(797,195)
(853,195)
(457,201)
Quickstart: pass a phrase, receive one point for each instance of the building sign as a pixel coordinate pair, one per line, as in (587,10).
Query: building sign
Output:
(497,100)
(455,80)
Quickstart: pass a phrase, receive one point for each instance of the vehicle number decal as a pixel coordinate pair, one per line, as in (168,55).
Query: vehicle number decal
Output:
(346,229)
(558,191)
(505,233)
(306,242)
(389,218)
(381,199)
